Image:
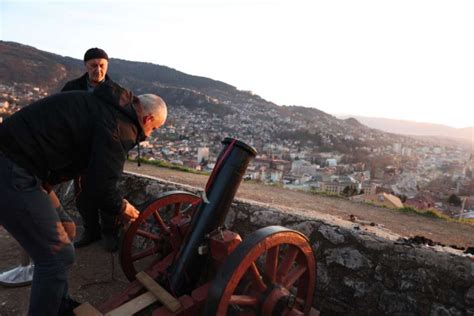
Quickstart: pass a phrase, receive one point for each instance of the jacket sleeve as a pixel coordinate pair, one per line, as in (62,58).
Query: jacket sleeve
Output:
(104,170)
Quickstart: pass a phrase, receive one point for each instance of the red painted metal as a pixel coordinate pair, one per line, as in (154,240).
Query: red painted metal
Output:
(189,308)
(157,232)
(272,300)
(272,274)
(199,295)
(222,243)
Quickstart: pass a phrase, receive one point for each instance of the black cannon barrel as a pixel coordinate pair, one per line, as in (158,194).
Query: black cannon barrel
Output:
(220,191)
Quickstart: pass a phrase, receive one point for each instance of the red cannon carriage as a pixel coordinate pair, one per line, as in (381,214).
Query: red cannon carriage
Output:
(181,260)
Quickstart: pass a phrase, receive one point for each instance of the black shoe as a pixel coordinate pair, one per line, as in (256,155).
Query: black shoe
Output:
(67,307)
(86,239)
(111,242)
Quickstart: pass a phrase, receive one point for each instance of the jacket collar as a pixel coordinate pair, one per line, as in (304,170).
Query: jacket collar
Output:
(123,100)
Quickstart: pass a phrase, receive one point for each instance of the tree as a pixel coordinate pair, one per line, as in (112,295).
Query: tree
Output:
(349,191)
(402,197)
(468,173)
(454,200)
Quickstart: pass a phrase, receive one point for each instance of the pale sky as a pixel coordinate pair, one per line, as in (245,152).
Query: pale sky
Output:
(402,59)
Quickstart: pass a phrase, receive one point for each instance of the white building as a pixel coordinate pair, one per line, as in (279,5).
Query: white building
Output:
(301,167)
(276,176)
(397,148)
(331,162)
(203,154)
(406,151)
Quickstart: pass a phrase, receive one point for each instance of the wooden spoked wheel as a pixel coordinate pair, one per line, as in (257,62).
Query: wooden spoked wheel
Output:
(272,272)
(157,232)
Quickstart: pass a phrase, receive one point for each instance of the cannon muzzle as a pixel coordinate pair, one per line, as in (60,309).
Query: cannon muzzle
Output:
(220,191)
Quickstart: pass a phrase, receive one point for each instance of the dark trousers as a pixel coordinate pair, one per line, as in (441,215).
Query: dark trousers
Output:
(93,219)
(29,216)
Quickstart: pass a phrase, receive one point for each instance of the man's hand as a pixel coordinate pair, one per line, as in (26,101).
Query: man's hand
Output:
(70,228)
(66,221)
(130,213)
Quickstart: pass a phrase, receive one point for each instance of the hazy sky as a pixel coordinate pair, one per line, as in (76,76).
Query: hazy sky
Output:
(405,59)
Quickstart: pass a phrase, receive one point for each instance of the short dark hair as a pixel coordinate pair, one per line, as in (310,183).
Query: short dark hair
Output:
(95,52)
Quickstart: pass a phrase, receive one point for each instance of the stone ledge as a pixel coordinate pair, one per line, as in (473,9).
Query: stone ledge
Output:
(361,269)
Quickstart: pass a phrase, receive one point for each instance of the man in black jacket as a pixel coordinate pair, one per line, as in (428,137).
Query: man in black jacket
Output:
(96,62)
(53,140)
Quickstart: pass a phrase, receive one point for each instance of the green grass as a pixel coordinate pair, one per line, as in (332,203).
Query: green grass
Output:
(433,214)
(466,221)
(326,194)
(428,213)
(274,184)
(169,165)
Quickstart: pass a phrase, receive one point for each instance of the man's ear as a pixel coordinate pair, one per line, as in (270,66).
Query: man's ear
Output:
(147,118)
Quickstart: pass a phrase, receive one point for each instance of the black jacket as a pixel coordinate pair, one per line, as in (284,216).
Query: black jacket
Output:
(60,136)
(80,83)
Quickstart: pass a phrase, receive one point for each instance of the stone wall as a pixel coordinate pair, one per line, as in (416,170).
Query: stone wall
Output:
(361,269)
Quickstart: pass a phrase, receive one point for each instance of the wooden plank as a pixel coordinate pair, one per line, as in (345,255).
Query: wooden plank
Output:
(133,306)
(169,301)
(86,309)
(189,308)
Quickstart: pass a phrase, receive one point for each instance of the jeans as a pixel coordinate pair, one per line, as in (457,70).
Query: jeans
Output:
(94,220)
(29,216)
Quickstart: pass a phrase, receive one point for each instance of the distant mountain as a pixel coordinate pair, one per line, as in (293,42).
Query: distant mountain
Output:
(230,112)
(24,64)
(404,127)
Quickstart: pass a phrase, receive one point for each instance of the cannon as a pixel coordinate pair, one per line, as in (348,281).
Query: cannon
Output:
(180,258)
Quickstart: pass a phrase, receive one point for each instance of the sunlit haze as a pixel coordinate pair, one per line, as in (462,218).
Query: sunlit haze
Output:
(406,59)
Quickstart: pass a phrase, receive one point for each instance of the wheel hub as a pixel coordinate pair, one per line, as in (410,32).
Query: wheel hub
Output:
(279,301)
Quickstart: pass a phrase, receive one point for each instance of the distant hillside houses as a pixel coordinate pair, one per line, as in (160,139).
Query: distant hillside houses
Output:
(306,176)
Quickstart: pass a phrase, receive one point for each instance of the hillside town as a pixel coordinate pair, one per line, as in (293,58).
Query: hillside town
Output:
(375,167)
(394,175)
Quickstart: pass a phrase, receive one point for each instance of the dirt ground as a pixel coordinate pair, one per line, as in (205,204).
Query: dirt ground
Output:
(97,275)
(407,225)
